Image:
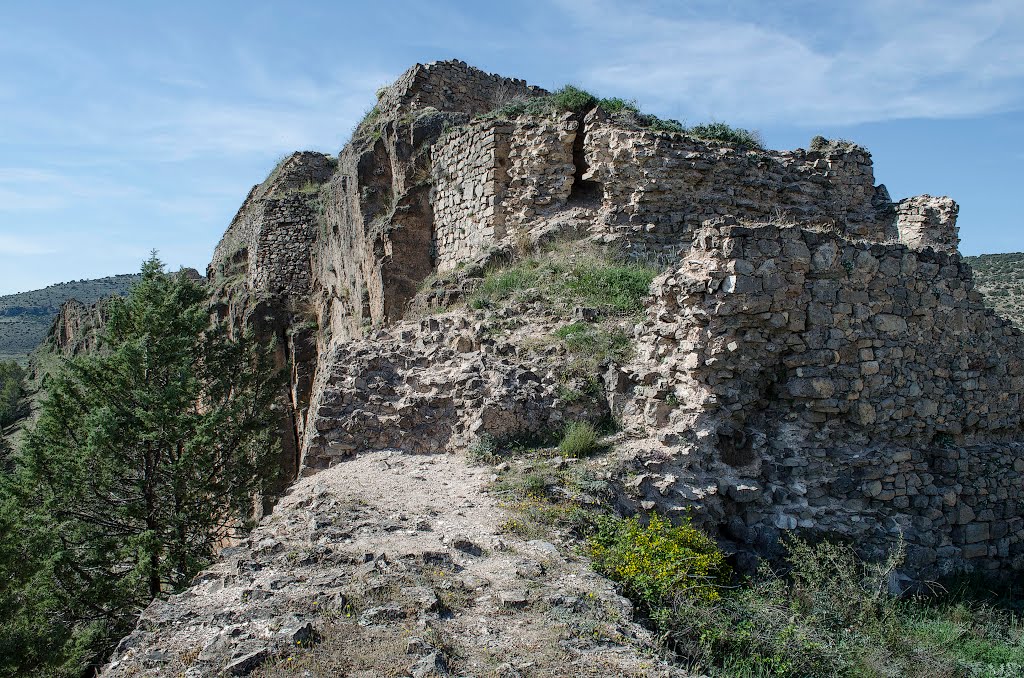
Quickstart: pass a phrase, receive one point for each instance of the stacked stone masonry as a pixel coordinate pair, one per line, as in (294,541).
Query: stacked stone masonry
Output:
(495,173)
(656,189)
(450,86)
(841,386)
(470,172)
(924,221)
(269,240)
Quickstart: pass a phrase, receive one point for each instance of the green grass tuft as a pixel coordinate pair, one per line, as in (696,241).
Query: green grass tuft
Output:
(572,99)
(564,280)
(579,440)
(720,131)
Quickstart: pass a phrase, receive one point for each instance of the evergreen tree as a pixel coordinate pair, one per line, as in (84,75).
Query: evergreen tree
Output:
(12,378)
(144,457)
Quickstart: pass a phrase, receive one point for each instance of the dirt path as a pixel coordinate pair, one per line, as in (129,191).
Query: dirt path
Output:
(393,564)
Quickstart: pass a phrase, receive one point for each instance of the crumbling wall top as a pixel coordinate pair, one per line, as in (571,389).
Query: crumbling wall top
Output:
(451,86)
(924,221)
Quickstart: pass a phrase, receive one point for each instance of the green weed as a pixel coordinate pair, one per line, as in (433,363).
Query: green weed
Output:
(579,440)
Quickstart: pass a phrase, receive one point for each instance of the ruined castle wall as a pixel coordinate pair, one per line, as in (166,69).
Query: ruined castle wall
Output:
(924,221)
(541,169)
(847,387)
(653,189)
(279,262)
(469,166)
(870,334)
(451,86)
(269,240)
(658,187)
(493,177)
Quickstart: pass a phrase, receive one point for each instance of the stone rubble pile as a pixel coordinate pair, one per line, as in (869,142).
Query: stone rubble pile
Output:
(437,385)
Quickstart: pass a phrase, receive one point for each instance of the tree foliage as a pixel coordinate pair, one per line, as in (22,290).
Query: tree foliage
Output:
(12,378)
(144,457)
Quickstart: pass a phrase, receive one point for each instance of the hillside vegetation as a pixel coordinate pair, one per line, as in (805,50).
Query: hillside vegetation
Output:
(142,460)
(1000,277)
(25,317)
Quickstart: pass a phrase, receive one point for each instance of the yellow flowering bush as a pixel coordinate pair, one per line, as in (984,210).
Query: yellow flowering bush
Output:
(658,562)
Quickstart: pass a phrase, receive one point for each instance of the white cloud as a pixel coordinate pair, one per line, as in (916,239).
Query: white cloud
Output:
(28,188)
(898,60)
(19,246)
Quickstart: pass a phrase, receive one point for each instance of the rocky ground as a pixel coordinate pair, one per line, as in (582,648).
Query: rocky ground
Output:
(391,564)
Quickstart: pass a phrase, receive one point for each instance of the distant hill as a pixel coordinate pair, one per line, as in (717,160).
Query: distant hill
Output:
(25,317)
(1000,277)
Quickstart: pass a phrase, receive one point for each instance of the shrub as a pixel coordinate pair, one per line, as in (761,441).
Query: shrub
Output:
(12,388)
(656,124)
(579,440)
(368,124)
(720,131)
(615,105)
(820,143)
(658,564)
(484,450)
(573,99)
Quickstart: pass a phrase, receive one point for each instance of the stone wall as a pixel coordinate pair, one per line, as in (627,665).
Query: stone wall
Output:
(493,174)
(873,334)
(436,385)
(924,221)
(657,188)
(269,239)
(842,386)
(649,190)
(470,177)
(541,170)
(450,86)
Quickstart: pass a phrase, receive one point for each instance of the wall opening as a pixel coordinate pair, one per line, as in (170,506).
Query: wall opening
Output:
(583,191)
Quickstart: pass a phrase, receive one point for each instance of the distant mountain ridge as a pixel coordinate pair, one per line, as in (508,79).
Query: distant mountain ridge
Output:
(1000,277)
(25,317)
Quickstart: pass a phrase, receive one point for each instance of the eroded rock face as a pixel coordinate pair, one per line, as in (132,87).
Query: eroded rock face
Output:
(77,327)
(439,385)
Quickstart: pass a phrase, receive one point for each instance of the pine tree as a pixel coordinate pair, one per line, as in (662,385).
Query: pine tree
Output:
(12,378)
(144,457)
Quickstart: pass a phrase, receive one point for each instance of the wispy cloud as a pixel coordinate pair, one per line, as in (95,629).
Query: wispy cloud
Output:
(21,246)
(897,60)
(27,188)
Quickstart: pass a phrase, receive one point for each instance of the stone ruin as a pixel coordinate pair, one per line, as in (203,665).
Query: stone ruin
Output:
(815,358)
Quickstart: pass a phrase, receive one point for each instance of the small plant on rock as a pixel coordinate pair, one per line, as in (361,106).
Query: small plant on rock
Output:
(579,440)
(483,451)
(720,131)
(573,99)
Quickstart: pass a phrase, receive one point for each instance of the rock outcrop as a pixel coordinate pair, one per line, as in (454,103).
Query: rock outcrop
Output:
(808,323)
(813,358)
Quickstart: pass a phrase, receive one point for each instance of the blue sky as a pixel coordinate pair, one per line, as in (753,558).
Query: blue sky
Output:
(127,126)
